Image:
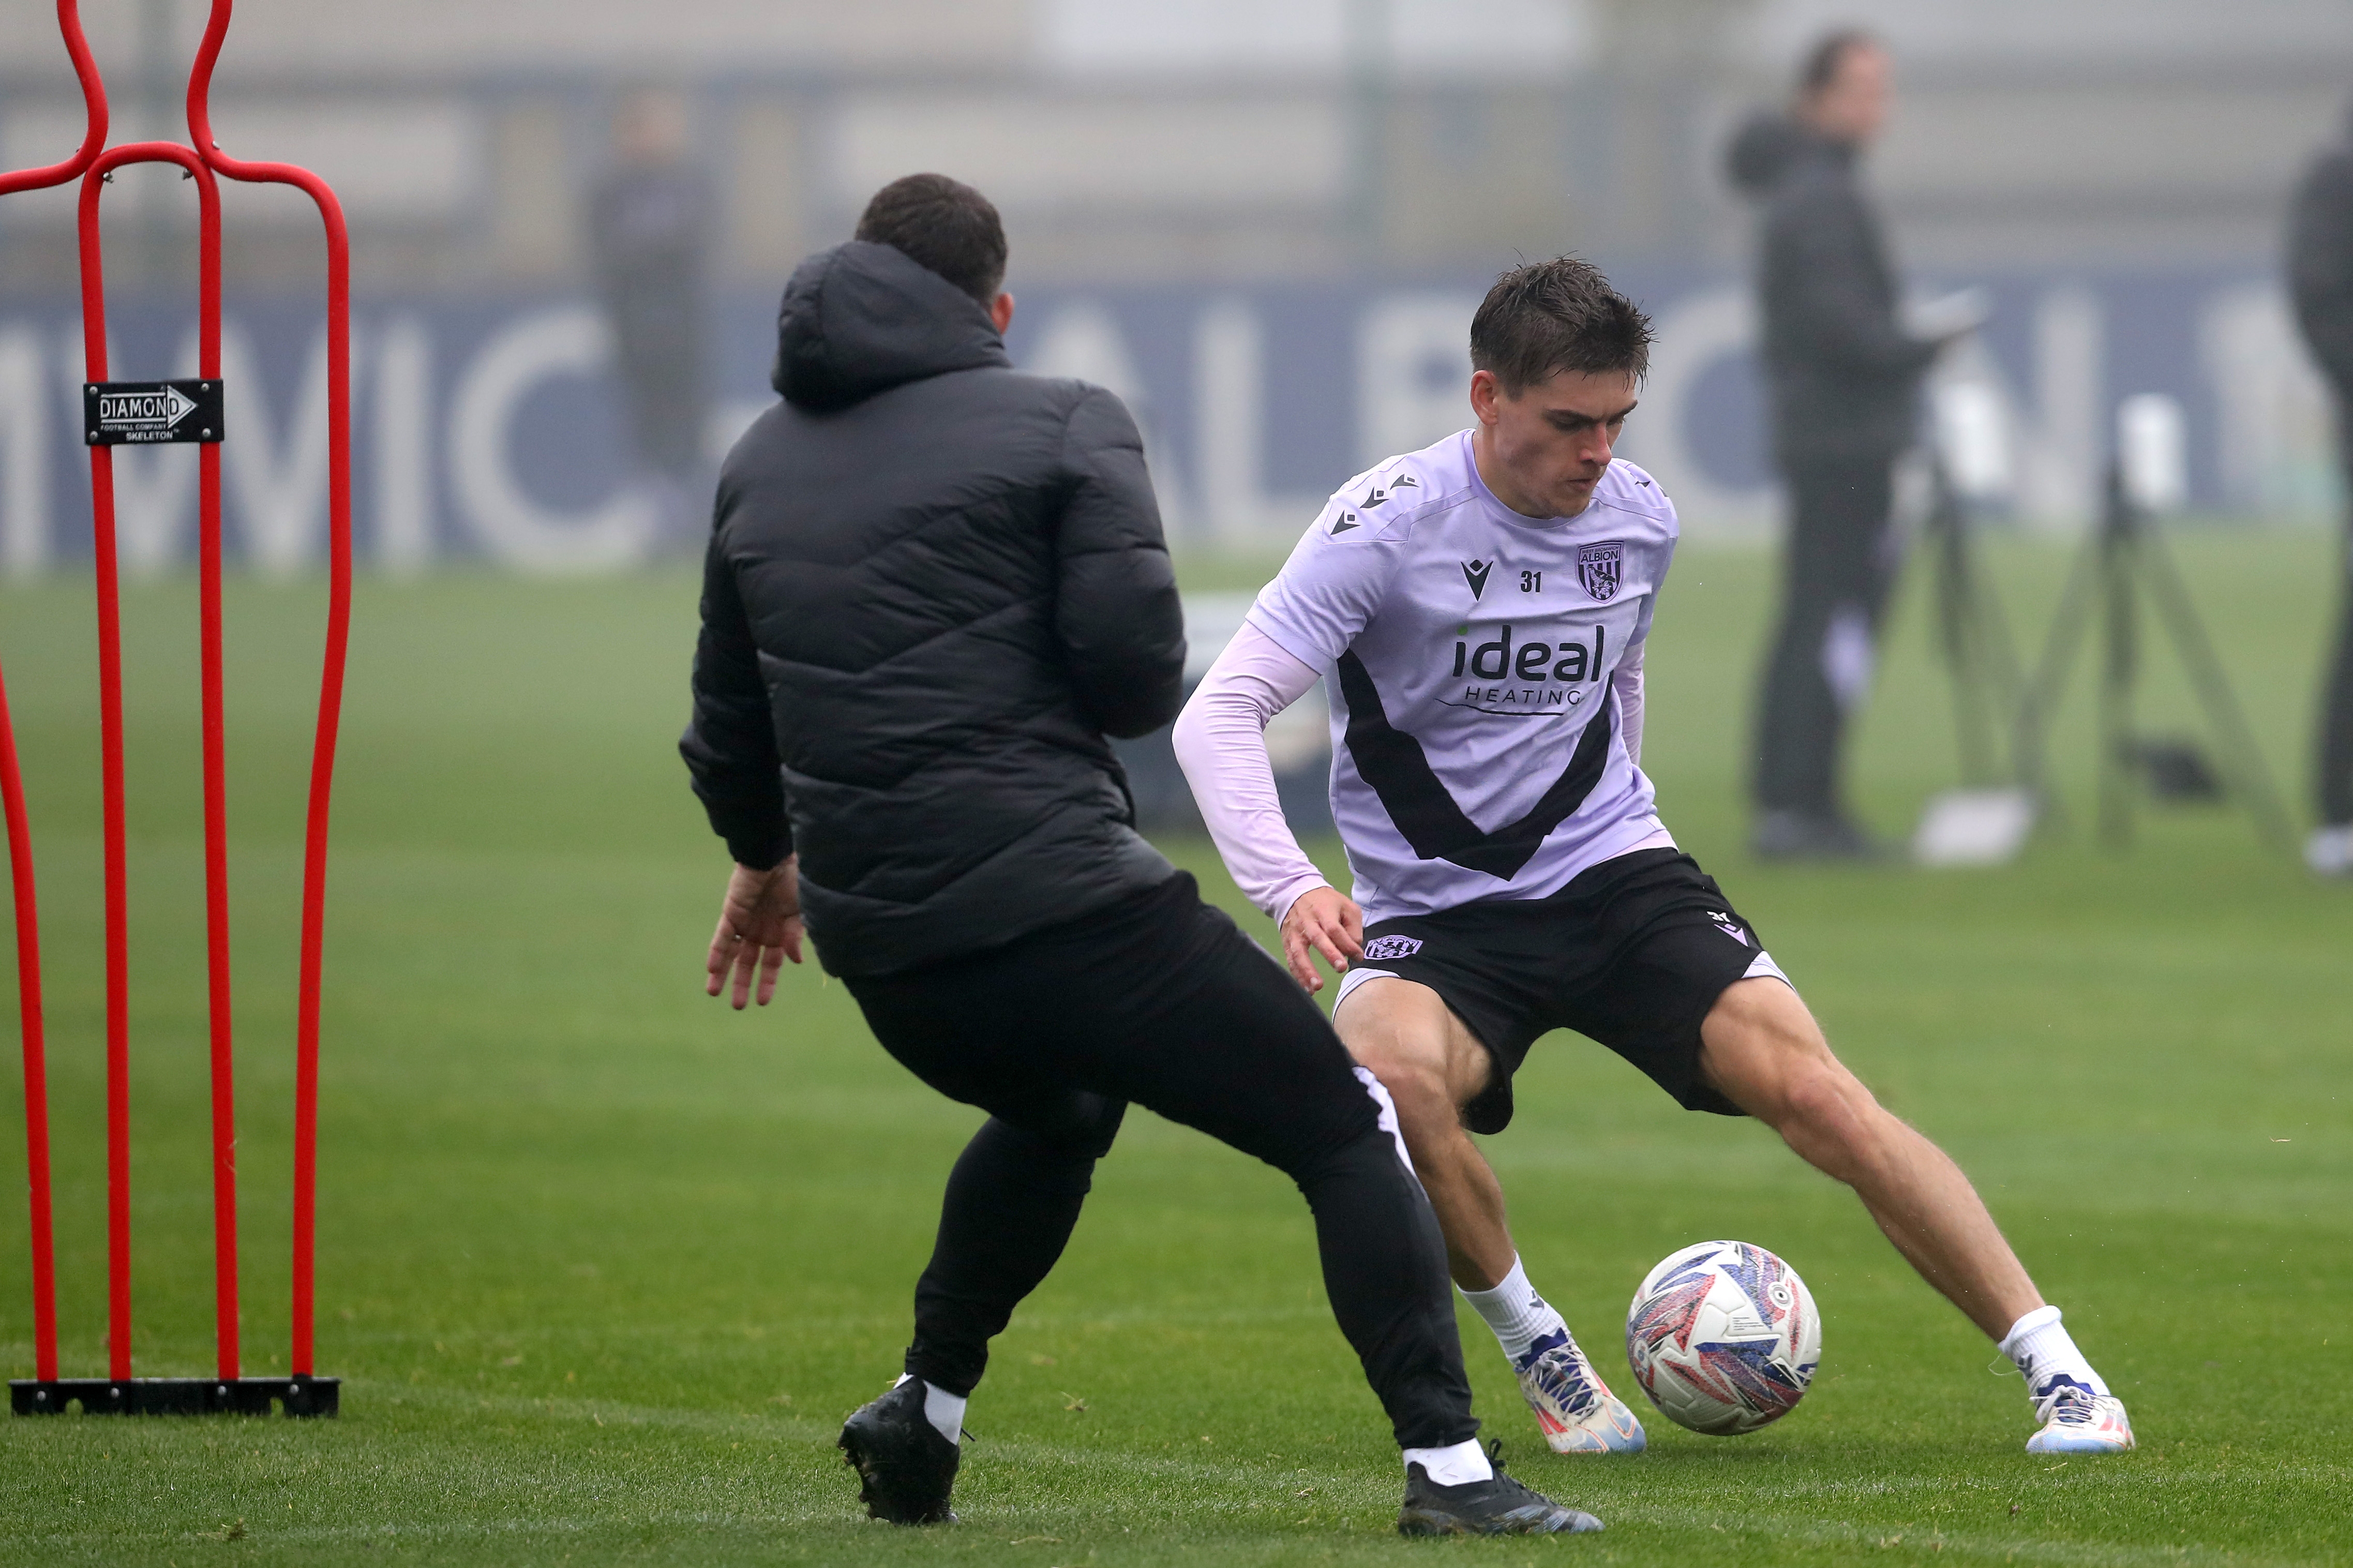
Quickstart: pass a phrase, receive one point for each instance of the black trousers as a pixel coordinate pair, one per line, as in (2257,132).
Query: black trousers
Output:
(2335,754)
(1840,563)
(1161,1001)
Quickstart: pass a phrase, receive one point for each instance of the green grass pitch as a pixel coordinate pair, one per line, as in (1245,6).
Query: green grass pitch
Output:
(605,1264)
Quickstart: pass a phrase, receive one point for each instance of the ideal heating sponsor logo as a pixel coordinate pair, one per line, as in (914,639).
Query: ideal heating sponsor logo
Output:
(1531,677)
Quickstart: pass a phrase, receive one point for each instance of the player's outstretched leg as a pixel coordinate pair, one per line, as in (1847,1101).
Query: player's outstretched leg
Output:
(1431,1065)
(1011,1203)
(1161,1002)
(1368,1211)
(1246,1058)
(1765,1053)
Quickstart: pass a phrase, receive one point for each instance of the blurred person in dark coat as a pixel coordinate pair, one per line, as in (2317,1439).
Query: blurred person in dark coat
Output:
(1842,379)
(2320,273)
(648,230)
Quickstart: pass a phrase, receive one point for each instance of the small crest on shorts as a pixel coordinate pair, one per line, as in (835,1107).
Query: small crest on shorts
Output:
(1724,922)
(1382,947)
(1602,568)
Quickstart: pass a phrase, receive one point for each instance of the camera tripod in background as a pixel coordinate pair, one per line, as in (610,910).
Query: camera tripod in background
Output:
(2124,559)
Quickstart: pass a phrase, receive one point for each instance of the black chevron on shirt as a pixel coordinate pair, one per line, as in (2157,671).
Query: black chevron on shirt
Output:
(1394,764)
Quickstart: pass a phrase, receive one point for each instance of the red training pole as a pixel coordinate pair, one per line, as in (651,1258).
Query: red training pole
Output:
(109,702)
(36,1080)
(93,99)
(331,675)
(12,804)
(110,764)
(215,769)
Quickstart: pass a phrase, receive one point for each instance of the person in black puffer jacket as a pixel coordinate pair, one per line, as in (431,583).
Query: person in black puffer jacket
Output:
(933,585)
(1842,378)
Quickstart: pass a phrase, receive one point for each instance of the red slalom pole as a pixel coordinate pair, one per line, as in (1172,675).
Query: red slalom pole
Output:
(37,1084)
(12,805)
(109,697)
(331,675)
(94,98)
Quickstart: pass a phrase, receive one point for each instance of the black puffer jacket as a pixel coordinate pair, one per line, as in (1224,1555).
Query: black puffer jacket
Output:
(934,584)
(1842,373)
(2320,261)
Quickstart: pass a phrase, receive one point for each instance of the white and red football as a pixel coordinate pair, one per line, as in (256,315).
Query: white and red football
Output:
(1723,1338)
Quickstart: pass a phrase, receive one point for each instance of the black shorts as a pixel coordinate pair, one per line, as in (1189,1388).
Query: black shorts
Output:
(1632,953)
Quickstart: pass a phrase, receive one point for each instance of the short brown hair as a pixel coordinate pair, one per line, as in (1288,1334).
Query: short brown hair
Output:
(946,226)
(1553,316)
(1822,62)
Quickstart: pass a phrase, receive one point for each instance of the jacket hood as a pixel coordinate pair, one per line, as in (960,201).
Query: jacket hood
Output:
(861,319)
(1768,147)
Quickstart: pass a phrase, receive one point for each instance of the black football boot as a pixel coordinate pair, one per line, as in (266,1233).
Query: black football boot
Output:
(1498,1506)
(905,1469)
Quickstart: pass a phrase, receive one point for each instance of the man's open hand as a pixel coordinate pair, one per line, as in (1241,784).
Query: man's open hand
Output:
(1329,923)
(759,928)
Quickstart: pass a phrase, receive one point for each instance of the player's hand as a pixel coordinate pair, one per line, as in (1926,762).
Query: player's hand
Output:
(1324,921)
(759,928)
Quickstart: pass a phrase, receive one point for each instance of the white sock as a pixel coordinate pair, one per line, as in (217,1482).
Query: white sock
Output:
(1518,1315)
(944,1410)
(1459,1466)
(2038,1345)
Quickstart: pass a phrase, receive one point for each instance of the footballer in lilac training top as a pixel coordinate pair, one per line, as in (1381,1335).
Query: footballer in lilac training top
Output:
(1477,613)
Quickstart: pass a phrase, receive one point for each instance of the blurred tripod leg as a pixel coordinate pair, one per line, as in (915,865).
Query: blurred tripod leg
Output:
(2042,695)
(2251,775)
(1992,650)
(1957,610)
(2120,668)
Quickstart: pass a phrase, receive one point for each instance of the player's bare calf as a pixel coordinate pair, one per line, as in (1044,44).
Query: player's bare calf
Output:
(1765,1053)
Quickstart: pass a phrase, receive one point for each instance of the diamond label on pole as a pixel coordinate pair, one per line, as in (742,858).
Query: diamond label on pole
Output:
(123,413)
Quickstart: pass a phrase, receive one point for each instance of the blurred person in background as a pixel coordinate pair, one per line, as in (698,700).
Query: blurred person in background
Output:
(1842,378)
(649,240)
(2320,273)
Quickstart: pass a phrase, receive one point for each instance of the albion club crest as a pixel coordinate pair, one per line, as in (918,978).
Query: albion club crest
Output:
(1601,567)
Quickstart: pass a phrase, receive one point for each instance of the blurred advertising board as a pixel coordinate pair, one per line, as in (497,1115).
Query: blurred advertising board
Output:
(490,430)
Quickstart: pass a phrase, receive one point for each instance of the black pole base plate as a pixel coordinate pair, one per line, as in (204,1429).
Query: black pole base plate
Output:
(178,1395)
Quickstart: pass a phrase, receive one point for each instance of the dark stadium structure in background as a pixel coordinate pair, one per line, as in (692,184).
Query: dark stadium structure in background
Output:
(152,412)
